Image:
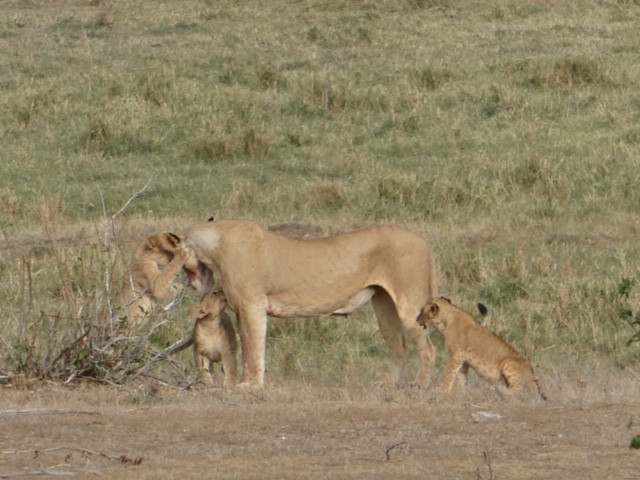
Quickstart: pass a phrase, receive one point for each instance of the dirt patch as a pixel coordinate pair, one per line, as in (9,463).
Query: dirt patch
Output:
(297,431)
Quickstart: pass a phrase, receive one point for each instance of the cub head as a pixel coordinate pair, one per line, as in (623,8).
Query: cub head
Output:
(212,304)
(162,248)
(433,313)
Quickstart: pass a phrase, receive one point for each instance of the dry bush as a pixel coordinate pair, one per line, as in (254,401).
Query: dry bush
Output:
(66,323)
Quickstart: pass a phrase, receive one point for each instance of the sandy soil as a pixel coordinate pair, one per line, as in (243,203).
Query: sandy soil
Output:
(299,431)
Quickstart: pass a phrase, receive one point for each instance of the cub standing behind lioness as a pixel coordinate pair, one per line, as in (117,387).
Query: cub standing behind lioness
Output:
(214,338)
(155,263)
(469,344)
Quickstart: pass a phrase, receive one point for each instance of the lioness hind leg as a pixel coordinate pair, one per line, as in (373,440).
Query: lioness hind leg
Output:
(392,332)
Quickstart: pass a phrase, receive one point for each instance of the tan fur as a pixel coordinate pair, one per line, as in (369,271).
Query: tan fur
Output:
(469,344)
(263,273)
(154,265)
(214,338)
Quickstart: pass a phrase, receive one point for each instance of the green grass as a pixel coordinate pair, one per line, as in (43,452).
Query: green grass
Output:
(504,132)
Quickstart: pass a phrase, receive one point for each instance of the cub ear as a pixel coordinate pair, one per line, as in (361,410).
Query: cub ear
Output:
(170,241)
(197,312)
(210,219)
(427,312)
(151,242)
(432,310)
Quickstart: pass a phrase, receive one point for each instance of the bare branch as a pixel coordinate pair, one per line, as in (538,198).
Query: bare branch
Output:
(133,197)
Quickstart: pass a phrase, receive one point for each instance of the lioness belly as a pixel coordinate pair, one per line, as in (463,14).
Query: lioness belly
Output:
(286,308)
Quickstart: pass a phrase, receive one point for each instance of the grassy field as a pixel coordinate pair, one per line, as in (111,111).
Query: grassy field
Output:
(507,133)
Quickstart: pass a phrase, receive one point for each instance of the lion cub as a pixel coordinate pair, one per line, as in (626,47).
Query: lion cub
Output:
(214,338)
(155,263)
(469,344)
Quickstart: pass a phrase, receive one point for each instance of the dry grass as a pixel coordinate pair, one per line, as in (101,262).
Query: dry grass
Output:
(504,132)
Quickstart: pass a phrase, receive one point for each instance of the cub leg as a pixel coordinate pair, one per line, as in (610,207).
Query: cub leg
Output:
(203,365)
(519,377)
(454,364)
(463,377)
(162,286)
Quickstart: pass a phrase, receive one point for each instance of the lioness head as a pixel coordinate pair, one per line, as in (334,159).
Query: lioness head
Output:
(212,304)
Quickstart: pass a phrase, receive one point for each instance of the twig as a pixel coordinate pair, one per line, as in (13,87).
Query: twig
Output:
(67,349)
(46,411)
(26,263)
(487,462)
(63,275)
(386,453)
(159,380)
(108,232)
(133,197)
(2,340)
(164,354)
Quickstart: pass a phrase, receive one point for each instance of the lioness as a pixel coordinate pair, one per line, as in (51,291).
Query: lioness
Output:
(263,273)
(214,339)
(155,263)
(469,344)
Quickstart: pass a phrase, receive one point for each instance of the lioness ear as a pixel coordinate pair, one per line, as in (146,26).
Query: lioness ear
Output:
(210,219)
(170,241)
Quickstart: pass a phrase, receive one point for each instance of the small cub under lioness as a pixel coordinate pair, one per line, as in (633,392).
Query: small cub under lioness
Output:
(214,338)
(469,344)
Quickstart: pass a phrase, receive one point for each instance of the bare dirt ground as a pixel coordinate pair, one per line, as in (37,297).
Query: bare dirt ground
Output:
(310,431)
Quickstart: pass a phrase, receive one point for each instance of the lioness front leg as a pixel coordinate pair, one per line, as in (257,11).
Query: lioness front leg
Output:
(252,324)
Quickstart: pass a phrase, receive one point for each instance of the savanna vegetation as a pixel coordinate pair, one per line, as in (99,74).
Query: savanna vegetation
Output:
(506,132)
